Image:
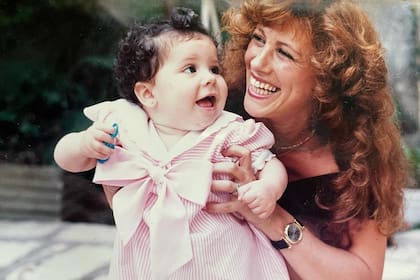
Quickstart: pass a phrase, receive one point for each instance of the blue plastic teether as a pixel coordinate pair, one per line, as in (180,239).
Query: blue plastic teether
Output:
(110,145)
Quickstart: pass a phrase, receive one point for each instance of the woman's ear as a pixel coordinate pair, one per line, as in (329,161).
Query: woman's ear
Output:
(144,93)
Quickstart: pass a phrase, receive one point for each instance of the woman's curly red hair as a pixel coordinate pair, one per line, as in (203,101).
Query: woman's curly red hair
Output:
(355,105)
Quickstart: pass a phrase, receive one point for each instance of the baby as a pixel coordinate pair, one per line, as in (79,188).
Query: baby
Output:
(161,141)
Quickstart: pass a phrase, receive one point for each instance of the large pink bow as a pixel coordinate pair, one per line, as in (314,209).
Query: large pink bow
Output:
(170,244)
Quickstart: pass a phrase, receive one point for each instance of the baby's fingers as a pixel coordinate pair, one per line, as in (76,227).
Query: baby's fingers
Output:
(263,210)
(262,214)
(244,193)
(92,135)
(105,133)
(95,149)
(107,128)
(109,144)
(103,150)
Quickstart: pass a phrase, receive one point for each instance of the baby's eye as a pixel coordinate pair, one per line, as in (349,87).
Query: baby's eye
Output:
(190,69)
(216,70)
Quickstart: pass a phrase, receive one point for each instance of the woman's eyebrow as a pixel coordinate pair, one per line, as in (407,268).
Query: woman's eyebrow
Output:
(279,43)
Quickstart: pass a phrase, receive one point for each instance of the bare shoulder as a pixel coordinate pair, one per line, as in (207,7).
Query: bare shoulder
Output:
(366,232)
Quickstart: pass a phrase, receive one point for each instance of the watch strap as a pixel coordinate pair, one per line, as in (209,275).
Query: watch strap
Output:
(283,243)
(280,244)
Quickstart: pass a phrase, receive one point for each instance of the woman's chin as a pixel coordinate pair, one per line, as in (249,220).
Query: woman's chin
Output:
(254,111)
(254,107)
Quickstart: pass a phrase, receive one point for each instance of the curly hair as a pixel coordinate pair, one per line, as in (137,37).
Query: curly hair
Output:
(355,106)
(141,53)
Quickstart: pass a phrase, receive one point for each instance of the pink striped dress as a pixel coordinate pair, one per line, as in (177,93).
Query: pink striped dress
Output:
(162,230)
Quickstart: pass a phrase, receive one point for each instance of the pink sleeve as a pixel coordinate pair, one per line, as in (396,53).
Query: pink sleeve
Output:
(256,137)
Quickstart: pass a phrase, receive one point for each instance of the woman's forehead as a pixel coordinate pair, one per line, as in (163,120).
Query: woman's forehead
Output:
(297,32)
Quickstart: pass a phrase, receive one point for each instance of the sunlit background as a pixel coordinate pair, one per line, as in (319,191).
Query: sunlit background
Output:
(56,57)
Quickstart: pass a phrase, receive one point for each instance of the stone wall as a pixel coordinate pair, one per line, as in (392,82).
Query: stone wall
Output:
(30,192)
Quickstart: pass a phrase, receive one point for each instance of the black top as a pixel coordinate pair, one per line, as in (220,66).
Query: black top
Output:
(299,197)
(299,200)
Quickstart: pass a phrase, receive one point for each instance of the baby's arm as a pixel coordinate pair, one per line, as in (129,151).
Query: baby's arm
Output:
(261,195)
(78,151)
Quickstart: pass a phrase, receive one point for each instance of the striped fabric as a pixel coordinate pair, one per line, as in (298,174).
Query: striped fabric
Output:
(224,247)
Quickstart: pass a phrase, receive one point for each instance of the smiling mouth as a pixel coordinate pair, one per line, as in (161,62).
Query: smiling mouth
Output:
(262,88)
(207,102)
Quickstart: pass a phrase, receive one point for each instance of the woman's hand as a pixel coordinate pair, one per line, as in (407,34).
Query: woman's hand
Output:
(240,207)
(242,173)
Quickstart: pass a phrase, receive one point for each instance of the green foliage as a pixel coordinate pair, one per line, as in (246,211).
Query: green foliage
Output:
(38,107)
(55,58)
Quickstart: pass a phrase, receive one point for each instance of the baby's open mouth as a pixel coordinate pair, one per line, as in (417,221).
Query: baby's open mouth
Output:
(207,101)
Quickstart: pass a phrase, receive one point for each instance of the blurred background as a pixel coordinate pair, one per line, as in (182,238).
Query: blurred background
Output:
(56,57)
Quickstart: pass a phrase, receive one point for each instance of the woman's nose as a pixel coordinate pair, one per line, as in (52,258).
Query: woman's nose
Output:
(261,61)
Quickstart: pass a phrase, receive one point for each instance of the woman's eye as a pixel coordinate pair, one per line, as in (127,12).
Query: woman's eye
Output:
(257,38)
(190,69)
(286,54)
(216,70)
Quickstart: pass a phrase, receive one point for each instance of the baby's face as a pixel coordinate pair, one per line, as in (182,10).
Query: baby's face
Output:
(189,88)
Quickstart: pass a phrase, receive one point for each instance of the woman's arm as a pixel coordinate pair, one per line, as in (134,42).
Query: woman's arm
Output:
(311,258)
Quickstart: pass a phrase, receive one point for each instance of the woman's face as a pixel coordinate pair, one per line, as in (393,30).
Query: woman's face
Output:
(279,77)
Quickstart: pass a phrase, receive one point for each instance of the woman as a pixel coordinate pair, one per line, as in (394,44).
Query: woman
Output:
(314,73)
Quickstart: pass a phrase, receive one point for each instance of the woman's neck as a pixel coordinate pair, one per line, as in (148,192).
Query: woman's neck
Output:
(307,163)
(291,137)
(302,151)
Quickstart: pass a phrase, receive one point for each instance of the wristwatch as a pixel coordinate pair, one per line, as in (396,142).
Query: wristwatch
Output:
(293,234)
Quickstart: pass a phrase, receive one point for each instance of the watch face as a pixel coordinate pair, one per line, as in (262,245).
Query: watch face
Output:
(294,233)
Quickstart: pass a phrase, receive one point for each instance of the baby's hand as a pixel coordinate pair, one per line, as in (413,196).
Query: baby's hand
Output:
(258,198)
(97,141)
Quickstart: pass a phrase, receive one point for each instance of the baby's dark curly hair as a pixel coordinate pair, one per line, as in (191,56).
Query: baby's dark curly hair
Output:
(141,52)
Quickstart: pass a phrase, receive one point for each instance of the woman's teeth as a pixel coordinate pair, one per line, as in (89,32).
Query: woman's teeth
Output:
(262,88)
